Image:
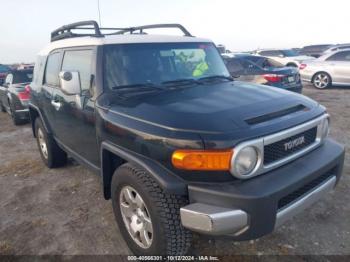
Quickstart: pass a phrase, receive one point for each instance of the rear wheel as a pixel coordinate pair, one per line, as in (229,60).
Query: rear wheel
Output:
(51,154)
(148,217)
(2,108)
(322,80)
(15,118)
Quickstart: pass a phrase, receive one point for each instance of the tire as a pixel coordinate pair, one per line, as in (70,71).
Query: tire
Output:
(160,209)
(15,119)
(51,154)
(2,108)
(322,80)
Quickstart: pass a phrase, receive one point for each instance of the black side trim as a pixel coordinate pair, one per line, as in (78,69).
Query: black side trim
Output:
(167,180)
(78,158)
(270,116)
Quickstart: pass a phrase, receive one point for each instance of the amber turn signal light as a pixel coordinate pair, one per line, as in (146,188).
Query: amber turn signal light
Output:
(209,160)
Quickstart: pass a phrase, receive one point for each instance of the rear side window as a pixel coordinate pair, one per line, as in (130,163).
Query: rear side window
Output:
(234,66)
(80,61)
(340,56)
(250,66)
(52,69)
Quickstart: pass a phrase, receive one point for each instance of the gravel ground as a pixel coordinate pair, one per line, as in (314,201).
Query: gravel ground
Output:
(62,211)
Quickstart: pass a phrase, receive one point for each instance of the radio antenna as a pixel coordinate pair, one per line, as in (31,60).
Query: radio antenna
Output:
(99,12)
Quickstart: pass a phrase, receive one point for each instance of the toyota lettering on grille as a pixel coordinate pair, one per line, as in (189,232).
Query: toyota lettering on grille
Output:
(294,143)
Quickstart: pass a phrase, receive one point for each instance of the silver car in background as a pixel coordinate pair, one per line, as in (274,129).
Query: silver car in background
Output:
(338,47)
(330,69)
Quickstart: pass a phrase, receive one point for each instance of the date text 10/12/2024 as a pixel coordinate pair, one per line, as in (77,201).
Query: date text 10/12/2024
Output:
(173,258)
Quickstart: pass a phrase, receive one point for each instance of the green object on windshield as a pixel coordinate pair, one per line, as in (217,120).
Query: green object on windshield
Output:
(200,69)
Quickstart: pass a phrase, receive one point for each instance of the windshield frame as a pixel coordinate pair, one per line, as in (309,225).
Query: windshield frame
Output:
(108,87)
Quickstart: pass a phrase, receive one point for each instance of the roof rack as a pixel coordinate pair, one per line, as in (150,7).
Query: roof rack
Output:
(66,30)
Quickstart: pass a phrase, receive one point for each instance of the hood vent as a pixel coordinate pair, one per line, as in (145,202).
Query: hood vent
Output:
(264,118)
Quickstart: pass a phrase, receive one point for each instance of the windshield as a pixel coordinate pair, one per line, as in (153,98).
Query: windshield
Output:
(157,63)
(22,77)
(289,53)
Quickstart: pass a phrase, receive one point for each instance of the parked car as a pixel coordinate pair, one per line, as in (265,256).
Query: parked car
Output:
(14,95)
(314,50)
(3,73)
(330,69)
(262,70)
(179,145)
(337,47)
(286,57)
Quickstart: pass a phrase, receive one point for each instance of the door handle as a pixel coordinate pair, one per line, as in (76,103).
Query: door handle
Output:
(57,105)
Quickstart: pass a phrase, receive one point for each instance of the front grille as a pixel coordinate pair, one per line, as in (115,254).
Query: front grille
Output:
(278,150)
(297,194)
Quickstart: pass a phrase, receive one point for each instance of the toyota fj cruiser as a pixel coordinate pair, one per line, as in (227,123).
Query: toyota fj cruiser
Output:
(179,145)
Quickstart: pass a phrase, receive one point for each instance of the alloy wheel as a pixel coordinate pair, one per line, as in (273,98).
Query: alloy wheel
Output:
(321,81)
(42,143)
(136,217)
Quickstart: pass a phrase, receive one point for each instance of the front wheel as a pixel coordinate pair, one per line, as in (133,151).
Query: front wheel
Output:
(148,217)
(322,80)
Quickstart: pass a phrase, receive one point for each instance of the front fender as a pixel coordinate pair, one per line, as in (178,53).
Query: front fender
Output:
(166,179)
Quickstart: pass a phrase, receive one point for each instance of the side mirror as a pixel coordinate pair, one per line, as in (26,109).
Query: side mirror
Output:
(6,85)
(70,82)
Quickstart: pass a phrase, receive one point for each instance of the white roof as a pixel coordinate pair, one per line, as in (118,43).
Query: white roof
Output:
(118,39)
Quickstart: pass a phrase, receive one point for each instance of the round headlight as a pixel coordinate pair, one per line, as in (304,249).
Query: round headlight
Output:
(325,128)
(245,161)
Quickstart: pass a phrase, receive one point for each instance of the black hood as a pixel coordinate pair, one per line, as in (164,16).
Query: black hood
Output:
(210,109)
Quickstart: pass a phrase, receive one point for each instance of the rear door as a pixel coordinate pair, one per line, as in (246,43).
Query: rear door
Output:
(339,65)
(75,117)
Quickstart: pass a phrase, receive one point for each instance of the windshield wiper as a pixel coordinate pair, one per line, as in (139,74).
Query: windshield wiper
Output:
(216,77)
(137,87)
(180,82)
(128,91)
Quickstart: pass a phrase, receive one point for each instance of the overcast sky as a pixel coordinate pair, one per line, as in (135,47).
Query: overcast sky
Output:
(239,24)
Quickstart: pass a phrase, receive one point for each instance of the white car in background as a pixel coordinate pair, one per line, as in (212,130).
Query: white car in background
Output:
(286,57)
(330,69)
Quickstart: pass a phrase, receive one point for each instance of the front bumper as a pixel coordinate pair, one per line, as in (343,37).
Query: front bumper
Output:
(252,208)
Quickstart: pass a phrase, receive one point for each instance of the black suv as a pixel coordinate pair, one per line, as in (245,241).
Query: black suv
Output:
(179,145)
